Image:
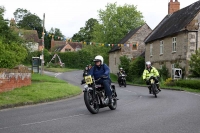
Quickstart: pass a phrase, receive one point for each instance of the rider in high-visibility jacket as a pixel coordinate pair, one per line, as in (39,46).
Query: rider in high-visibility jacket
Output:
(148,72)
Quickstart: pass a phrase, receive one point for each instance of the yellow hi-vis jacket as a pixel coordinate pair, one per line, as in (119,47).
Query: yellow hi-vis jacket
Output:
(147,74)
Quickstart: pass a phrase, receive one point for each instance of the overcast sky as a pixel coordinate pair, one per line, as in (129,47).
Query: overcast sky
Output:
(70,15)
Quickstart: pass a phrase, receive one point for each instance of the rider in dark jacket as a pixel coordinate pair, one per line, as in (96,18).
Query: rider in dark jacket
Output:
(119,74)
(100,70)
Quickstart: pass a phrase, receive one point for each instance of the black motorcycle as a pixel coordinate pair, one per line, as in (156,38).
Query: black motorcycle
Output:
(153,88)
(122,81)
(95,96)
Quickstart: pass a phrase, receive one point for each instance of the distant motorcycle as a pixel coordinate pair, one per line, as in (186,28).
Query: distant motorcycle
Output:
(122,81)
(153,88)
(95,97)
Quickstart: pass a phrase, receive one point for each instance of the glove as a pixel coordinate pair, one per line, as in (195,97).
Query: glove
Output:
(103,76)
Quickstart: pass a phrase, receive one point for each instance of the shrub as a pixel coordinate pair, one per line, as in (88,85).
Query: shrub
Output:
(169,82)
(193,84)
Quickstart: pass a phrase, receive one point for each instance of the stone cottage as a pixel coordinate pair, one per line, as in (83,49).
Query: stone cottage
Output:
(175,38)
(132,46)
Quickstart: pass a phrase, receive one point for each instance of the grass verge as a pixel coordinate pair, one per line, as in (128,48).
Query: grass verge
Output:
(43,88)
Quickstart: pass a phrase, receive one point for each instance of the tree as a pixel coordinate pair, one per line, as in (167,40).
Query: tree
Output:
(195,63)
(57,33)
(12,52)
(28,21)
(20,13)
(115,22)
(85,33)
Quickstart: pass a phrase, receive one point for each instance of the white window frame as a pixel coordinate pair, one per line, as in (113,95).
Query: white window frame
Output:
(161,47)
(174,44)
(151,49)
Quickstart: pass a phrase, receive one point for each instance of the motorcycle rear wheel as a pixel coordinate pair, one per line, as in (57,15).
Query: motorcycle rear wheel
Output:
(91,104)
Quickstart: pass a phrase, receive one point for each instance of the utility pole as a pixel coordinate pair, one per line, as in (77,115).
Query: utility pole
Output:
(42,63)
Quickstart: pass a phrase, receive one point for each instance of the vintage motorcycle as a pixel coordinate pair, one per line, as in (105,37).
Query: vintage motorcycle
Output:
(95,97)
(153,88)
(122,80)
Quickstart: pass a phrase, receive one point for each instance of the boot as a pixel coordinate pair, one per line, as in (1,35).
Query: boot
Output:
(110,100)
(149,89)
(158,87)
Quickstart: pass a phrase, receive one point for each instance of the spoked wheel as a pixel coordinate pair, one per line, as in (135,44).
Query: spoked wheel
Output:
(154,90)
(91,104)
(113,106)
(124,83)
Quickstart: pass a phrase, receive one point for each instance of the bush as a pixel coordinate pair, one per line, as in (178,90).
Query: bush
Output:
(136,69)
(164,73)
(193,84)
(169,82)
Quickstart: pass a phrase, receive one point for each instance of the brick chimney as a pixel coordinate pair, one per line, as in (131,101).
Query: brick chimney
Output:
(173,6)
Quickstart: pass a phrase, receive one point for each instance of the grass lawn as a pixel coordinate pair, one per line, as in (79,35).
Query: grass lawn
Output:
(43,88)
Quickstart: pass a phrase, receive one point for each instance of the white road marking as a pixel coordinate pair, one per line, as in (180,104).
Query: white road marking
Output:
(27,124)
(57,74)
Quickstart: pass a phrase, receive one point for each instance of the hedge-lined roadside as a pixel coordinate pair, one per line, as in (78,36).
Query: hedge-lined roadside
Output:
(182,85)
(194,84)
(43,88)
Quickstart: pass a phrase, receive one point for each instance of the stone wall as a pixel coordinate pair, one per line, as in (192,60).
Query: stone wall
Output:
(14,78)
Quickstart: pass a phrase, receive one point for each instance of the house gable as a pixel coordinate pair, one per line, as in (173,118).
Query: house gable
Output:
(134,47)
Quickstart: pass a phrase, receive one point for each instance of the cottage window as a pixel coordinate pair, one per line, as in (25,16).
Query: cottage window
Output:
(174,44)
(161,47)
(67,49)
(135,45)
(151,49)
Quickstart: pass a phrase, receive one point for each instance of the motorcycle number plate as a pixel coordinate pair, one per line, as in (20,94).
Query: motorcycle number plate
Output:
(88,79)
(152,81)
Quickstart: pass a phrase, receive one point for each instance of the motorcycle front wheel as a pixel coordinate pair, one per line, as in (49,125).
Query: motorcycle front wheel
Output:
(90,102)
(153,87)
(124,83)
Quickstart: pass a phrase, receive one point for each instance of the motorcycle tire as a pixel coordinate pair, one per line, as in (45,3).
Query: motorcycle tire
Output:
(124,83)
(153,86)
(92,106)
(113,106)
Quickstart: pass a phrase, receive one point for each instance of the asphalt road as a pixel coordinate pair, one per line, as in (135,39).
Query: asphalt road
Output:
(137,112)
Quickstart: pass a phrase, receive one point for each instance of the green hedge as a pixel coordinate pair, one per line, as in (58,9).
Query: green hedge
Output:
(193,84)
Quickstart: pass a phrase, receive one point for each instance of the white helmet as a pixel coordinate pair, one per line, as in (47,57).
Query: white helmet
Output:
(148,63)
(98,58)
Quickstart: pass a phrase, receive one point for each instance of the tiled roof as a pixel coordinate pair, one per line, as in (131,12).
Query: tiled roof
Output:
(174,23)
(59,47)
(59,43)
(75,45)
(30,35)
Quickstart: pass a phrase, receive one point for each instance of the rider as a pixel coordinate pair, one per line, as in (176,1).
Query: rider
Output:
(148,72)
(85,71)
(101,70)
(119,74)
